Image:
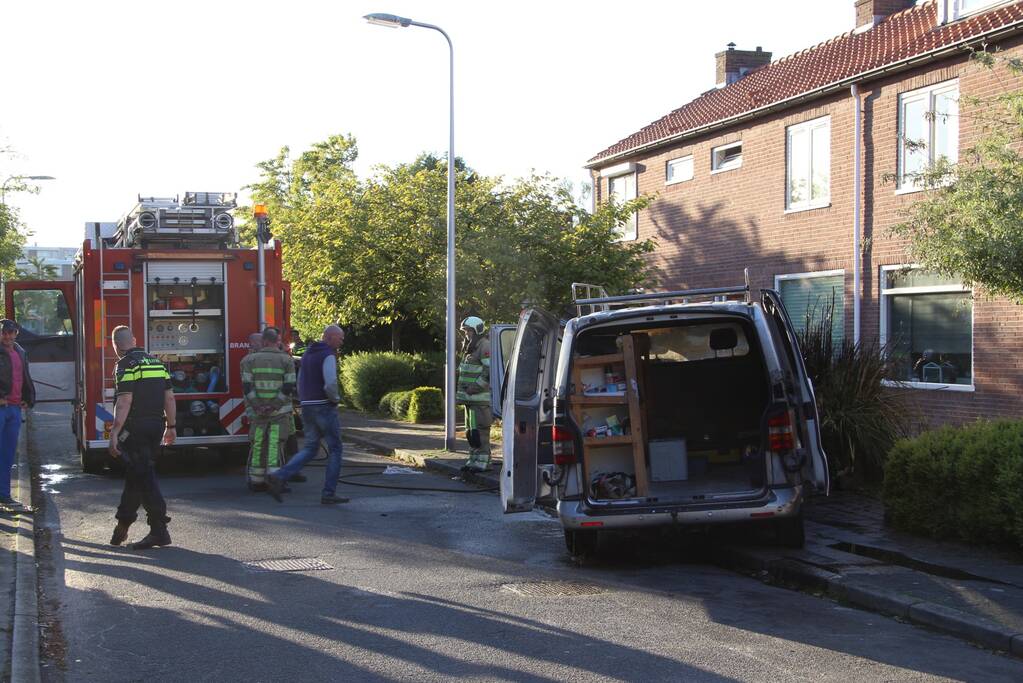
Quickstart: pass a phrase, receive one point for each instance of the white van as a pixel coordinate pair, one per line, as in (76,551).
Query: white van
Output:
(660,409)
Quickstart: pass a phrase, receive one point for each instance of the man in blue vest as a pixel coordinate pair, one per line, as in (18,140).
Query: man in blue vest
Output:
(319,397)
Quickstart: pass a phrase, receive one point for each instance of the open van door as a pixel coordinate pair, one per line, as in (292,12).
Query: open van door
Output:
(815,466)
(502,339)
(528,399)
(43,309)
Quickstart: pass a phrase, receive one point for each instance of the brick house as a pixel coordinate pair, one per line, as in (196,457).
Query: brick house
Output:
(790,167)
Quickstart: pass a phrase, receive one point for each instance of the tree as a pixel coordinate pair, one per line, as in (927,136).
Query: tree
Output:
(40,270)
(970,223)
(373,252)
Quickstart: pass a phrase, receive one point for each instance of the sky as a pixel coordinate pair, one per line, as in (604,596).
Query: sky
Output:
(158,97)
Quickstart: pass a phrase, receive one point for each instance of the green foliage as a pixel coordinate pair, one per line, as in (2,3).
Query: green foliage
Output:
(860,418)
(395,403)
(428,370)
(427,404)
(968,223)
(366,377)
(962,483)
(371,252)
(38,270)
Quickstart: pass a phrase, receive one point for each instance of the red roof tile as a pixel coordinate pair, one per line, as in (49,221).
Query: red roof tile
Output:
(901,36)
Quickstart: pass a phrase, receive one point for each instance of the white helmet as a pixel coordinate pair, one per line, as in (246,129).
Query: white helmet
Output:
(473,323)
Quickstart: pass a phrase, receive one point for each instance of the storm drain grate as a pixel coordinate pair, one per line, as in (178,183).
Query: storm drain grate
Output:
(288,564)
(553,589)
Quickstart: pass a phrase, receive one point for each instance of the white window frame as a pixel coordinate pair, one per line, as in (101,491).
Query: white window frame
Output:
(630,231)
(887,293)
(809,127)
(906,185)
(809,276)
(954,10)
(676,181)
(717,167)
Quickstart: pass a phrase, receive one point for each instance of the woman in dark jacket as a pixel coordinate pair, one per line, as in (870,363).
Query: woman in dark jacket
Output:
(16,392)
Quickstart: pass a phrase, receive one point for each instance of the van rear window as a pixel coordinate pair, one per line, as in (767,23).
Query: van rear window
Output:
(697,342)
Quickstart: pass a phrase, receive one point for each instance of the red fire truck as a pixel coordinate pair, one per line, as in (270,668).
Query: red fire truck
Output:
(171,269)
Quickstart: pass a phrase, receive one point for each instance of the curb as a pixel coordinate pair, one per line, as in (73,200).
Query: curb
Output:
(416,458)
(25,641)
(792,572)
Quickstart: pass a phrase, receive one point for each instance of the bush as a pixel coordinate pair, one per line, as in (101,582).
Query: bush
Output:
(963,483)
(860,418)
(395,403)
(367,376)
(427,403)
(428,369)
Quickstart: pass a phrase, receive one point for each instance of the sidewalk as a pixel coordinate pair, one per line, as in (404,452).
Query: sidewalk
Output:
(850,555)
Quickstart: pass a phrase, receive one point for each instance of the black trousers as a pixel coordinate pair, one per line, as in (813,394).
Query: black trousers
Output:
(138,453)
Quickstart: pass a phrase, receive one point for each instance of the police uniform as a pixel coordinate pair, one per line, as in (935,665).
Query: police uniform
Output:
(146,379)
(268,380)
(474,371)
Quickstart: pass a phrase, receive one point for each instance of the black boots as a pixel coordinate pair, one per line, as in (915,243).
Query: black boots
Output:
(120,533)
(153,539)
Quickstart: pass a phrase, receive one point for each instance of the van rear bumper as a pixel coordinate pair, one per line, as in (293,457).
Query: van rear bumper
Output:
(784,502)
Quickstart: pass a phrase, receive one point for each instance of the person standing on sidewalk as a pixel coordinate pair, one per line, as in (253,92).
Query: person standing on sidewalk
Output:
(144,395)
(473,392)
(16,392)
(268,381)
(319,396)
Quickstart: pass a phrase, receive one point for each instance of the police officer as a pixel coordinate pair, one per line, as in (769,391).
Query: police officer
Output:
(144,396)
(473,392)
(268,382)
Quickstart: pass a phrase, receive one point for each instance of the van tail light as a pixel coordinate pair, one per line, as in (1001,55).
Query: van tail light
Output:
(563,442)
(780,436)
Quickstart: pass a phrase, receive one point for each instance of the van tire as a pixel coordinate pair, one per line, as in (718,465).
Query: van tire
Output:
(789,532)
(581,542)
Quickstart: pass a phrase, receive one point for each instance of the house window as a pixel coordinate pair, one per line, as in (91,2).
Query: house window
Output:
(928,130)
(951,10)
(810,297)
(726,157)
(678,170)
(808,164)
(623,188)
(927,326)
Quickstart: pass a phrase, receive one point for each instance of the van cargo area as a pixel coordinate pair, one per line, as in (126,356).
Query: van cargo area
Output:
(671,411)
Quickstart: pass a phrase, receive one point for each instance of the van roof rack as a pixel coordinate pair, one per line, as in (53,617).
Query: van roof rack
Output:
(583,295)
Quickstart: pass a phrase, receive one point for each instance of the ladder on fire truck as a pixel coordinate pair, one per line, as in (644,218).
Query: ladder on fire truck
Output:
(114,309)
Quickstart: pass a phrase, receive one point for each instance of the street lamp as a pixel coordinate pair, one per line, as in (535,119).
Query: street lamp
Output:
(393,21)
(3,188)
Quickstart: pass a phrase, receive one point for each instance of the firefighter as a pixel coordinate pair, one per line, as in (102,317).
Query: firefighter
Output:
(144,397)
(268,381)
(473,392)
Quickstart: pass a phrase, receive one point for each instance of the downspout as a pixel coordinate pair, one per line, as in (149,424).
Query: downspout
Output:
(857,193)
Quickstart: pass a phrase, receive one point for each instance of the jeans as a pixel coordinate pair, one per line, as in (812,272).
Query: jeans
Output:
(140,485)
(319,421)
(10,427)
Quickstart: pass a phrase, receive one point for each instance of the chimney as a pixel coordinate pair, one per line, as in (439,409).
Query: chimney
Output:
(733,64)
(870,12)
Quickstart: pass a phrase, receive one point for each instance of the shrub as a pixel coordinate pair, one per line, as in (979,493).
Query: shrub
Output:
(860,417)
(964,483)
(428,369)
(367,376)
(427,403)
(395,403)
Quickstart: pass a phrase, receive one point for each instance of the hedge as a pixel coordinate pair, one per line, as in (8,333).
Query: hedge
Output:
(427,403)
(962,483)
(367,376)
(396,403)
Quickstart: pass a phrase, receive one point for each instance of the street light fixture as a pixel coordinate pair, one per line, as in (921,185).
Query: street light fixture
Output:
(3,188)
(394,21)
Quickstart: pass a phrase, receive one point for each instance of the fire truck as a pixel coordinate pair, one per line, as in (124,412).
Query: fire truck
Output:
(172,270)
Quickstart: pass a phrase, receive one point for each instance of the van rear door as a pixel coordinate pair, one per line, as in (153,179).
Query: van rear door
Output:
(815,467)
(502,338)
(528,399)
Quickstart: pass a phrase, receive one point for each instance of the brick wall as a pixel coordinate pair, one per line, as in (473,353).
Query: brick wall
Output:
(711,227)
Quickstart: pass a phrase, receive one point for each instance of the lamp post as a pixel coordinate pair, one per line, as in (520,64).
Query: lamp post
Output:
(3,187)
(393,21)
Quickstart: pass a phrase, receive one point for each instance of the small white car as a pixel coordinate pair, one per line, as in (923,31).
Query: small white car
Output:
(661,413)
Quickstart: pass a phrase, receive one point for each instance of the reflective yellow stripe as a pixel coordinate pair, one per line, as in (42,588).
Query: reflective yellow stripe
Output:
(275,371)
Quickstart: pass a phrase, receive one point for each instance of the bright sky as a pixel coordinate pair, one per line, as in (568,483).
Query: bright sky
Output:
(118,98)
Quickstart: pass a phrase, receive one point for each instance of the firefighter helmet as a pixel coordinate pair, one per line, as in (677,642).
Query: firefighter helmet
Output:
(473,323)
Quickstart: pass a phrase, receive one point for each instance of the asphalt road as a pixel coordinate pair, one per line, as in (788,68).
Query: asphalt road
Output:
(422,586)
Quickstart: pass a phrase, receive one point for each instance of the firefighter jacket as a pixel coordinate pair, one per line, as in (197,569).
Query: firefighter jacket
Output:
(268,380)
(474,370)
